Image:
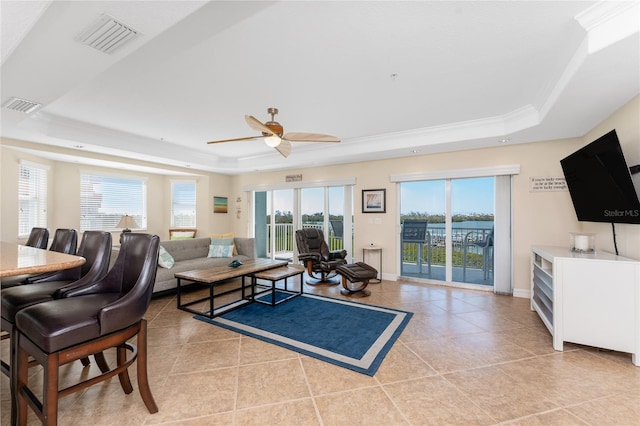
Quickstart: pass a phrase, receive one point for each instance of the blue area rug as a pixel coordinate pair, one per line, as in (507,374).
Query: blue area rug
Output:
(352,335)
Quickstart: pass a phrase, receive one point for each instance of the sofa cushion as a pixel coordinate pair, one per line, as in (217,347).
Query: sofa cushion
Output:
(187,249)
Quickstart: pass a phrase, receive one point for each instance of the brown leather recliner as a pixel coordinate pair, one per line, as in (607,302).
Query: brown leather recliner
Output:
(88,320)
(321,263)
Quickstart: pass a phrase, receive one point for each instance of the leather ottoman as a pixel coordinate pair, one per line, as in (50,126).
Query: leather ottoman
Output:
(355,278)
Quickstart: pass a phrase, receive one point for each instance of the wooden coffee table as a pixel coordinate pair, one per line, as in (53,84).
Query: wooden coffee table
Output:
(275,275)
(216,275)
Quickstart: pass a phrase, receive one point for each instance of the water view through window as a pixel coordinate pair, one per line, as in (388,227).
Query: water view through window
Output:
(429,208)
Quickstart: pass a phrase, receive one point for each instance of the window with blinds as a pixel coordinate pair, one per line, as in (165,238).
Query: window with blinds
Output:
(104,199)
(183,204)
(32,197)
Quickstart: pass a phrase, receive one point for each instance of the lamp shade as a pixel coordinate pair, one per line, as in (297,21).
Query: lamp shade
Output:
(126,223)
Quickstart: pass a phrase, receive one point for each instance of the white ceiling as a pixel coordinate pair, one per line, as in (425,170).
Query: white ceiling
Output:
(387,77)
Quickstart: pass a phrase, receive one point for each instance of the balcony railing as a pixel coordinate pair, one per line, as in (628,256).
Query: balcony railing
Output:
(284,237)
(433,248)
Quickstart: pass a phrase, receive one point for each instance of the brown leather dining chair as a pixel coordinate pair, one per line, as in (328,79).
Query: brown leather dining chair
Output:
(38,238)
(88,320)
(95,247)
(65,241)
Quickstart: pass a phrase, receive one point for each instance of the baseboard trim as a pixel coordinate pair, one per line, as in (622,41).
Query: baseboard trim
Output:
(525,294)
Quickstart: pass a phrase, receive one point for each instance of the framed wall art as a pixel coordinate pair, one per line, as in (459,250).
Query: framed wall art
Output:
(220,204)
(374,201)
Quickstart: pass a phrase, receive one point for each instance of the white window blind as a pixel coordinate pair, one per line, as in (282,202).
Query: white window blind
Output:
(183,204)
(104,199)
(32,197)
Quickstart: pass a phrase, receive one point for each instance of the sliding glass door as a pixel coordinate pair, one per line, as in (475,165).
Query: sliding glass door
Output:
(447,230)
(472,229)
(422,240)
(279,212)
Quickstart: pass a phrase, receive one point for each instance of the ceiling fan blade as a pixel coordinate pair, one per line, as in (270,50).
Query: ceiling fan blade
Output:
(248,138)
(310,137)
(284,148)
(255,124)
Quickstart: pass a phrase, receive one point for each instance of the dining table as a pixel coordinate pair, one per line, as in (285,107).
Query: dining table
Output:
(18,259)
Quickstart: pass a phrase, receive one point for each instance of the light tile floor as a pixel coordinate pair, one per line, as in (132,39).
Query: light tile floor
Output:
(466,358)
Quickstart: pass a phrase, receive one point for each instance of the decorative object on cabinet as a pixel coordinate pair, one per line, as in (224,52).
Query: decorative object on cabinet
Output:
(582,243)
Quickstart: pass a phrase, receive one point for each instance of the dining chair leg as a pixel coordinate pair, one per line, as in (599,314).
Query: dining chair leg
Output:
(121,358)
(101,361)
(50,396)
(47,411)
(13,372)
(141,367)
(22,364)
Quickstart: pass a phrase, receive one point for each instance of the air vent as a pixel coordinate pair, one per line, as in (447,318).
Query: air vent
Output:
(107,34)
(21,105)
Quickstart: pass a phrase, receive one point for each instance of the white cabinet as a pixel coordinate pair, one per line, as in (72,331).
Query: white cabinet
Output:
(589,299)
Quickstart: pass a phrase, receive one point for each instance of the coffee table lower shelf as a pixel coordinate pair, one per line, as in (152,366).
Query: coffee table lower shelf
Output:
(213,311)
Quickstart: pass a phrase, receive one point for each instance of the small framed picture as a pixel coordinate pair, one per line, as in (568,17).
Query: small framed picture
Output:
(374,201)
(220,204)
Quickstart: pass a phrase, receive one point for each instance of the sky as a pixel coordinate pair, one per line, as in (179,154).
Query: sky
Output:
(468,196)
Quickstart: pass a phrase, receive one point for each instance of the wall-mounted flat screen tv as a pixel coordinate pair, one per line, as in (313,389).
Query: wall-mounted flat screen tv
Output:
(600,182)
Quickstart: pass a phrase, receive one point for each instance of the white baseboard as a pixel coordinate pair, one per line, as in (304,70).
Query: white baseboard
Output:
(526,294)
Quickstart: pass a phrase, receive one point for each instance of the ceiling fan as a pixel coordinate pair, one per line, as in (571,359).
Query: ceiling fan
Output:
(272,132)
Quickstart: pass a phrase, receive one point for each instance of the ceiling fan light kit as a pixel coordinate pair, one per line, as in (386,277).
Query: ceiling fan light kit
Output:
(272,141)
(274,137)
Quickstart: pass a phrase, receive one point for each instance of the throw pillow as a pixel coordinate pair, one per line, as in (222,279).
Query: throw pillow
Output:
(165,260)
(220,251)
(222,241)
(227,235)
